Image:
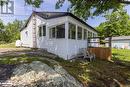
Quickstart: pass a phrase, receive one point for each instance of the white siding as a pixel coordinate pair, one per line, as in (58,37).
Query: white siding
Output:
(125,44)
(64,47)
(27,40)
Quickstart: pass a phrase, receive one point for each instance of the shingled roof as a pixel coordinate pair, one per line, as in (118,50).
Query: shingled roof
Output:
(50,15)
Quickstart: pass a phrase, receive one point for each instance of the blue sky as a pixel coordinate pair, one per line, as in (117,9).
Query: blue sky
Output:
(22,12)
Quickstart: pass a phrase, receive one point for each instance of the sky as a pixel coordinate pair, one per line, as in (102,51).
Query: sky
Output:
(22,12)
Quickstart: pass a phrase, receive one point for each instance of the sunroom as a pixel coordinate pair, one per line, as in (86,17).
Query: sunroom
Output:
(65,39)
(72,32)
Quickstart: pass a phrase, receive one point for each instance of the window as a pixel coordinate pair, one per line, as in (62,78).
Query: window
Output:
(89,34)
(72,31)
(79,33)
(58,31)
(85,34)
(44,30)
(40,31)
(52,32)
(26,33)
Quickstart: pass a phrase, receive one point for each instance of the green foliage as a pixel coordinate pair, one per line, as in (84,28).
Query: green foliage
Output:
(85,8)
(117,24)
(11,31)
(34,3)
(88,8)
(1,30)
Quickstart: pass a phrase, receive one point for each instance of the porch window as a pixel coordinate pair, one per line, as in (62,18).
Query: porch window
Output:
(72,31)
(85,34)
(89,34)
(40,31)
(79,33)
(60,31)
(52,32)
(44,30)
(57,31)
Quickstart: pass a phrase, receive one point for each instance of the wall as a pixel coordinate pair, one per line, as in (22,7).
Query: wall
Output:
(56,46)
(62,47)
(75,45)
(125,44)
(27,39)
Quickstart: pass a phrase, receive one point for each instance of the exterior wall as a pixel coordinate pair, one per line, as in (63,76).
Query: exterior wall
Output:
(65,47)
(56,46)
(124,44)
(75,45)
(27,40)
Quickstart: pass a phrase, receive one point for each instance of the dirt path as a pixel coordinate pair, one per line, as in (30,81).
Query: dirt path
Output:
(5,69)
(12,51)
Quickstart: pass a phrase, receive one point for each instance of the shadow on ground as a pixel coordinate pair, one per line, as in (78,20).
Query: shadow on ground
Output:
(98,73)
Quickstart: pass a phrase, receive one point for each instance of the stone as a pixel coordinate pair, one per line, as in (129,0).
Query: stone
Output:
(38,74)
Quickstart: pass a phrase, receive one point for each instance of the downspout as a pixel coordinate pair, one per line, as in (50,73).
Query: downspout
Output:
(34,31)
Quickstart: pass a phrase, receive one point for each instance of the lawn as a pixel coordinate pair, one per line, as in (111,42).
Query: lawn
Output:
(7,45)
(98,73)
(121,54)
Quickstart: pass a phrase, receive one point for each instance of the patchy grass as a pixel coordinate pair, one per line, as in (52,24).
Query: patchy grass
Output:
(121,54)
(98,73)
(12,60)
(7,45)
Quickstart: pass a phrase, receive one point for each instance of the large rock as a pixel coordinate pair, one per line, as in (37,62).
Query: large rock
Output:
(38,74)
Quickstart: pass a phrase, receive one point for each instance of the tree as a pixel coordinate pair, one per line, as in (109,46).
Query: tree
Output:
(10,32)
(13,31)
(87,8)
(1,30)
(84,8)
(117,24)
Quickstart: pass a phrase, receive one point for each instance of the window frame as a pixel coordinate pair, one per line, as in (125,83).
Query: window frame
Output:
(40,31)
(26,33)
(70,36)
(43,33)
(85,37)
(79,32)
(52,27)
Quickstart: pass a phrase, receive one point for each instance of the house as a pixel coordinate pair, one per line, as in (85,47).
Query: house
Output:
(121,42)
(60,33)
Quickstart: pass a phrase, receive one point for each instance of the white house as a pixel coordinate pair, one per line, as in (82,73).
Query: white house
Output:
(121,42)
(60,33)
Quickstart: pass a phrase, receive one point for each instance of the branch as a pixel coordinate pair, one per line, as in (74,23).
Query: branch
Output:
(125,1)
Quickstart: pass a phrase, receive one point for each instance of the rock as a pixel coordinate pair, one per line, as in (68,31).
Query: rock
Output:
(38,74)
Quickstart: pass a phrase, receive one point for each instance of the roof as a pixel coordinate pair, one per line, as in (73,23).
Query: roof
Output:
(120,38)
(50,15)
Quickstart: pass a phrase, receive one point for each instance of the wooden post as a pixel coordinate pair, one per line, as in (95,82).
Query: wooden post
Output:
(110,38)
(110,46)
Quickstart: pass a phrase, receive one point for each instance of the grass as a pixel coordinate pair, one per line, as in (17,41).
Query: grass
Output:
(101,73)
(121,54)
(7,45)
(98,73)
